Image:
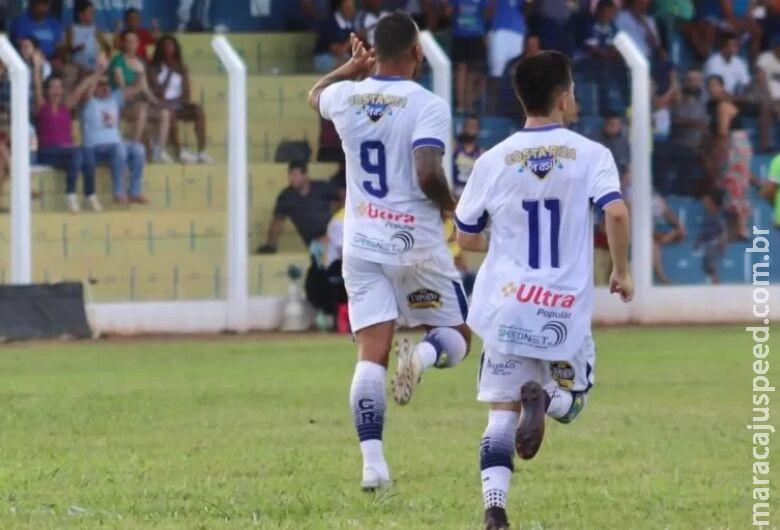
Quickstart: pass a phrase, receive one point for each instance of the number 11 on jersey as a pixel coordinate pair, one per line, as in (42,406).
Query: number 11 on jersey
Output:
(554,207)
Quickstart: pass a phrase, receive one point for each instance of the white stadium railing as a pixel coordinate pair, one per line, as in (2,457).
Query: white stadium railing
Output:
(21,230)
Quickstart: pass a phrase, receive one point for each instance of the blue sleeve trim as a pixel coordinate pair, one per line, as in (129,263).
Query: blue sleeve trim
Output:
(475,228)
(428,142)
(608,198)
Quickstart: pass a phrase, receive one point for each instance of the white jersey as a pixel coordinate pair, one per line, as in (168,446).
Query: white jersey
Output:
(381,120)
(533,294)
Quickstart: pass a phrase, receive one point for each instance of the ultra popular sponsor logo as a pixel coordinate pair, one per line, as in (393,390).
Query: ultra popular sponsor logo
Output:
(552,304)
(372,211)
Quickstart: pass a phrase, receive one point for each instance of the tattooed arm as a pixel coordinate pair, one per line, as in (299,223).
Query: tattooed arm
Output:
(432,179)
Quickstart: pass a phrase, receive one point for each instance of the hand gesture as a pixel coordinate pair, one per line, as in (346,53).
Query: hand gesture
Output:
(622,285)
(362,61)
(102,62)
(38,59)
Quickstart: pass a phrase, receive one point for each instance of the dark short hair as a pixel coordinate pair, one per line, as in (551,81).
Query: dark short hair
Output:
(715,77)
(539,79)
(394,36)
(39,2)
(131,11)
(83,6)
(604,4)
(724,37)
(49,80)
(611,115)
(298,164)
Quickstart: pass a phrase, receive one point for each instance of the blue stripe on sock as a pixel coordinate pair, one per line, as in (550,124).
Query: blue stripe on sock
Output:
(495,453)
(462,302)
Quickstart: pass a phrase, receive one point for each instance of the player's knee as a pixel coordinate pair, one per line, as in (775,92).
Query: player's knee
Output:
(578,401)
(497,446)
(450,345)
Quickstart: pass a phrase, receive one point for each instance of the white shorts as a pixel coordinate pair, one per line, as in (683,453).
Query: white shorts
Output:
(503,46)
(501,376)
(429,292)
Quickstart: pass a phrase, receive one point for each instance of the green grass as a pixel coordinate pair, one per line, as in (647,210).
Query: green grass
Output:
(256,433)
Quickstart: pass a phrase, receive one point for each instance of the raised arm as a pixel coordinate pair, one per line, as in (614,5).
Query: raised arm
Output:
(85,90)
(37,79)
(360,65)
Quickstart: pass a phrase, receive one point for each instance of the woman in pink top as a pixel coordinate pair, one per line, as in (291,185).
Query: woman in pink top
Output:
(54,124)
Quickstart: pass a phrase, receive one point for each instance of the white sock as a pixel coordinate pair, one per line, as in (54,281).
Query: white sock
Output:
(442,347)
(373,456)
(560,402)
(495,486)
(427,354)
(367,400)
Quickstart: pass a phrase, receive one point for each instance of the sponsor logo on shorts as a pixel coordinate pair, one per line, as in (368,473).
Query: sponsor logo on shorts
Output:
(563,373)
(393,220)
(552,334)
(501,369)
(424,299)
(538,295)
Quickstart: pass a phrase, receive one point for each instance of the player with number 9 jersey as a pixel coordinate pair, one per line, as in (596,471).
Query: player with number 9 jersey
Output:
(381,121)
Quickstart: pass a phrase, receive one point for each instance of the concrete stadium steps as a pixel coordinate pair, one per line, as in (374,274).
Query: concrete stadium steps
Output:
(136,278)
(268,274)
(264,53)
(133,234)
(274,95)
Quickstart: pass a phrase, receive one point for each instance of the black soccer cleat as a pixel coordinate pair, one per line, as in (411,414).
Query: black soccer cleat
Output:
(530,431)
(495,519)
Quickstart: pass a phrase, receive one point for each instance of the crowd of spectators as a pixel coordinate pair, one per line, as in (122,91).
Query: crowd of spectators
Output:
(127,92)
(715,71)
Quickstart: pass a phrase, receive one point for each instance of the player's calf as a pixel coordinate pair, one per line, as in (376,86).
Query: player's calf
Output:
(495,459)
(367,399)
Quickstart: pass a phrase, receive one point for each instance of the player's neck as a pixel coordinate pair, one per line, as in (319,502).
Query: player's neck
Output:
(394,70)
(535,122)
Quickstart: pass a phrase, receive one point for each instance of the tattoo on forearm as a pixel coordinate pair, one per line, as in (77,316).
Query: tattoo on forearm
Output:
(433,181)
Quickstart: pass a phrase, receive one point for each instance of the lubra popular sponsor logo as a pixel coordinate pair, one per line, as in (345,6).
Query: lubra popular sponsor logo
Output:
(372,211)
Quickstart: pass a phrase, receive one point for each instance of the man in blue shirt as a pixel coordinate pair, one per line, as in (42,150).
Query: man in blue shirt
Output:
(37,23)
(469,25)
(102,138)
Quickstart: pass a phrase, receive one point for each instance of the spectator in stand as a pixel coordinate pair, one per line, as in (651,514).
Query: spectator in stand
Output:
(468,51)
(425,13)
(668,231)
(35,59)
(748,96)
(552,21)
(202,7)
(306,202)
(132,22)
(729,15)
(505,43)
(733,154)
(127,69)
(40,25)
(662,104)
(769,64)
(603,62)
(102,139)
(170,81)
(671,15)
(332,48)
(84,40)
(612,138)
(738,15)
(367,18)
(466,153)
(642,28)
(677,163)
(54,120)
(712,236)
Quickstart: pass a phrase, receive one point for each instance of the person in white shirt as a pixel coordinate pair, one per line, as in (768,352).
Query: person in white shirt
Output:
(396,263)
(729,66)
(532,302)
(367,19)
(769,64)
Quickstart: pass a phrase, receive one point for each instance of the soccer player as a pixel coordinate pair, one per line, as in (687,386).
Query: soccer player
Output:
(532,301)
(396,262)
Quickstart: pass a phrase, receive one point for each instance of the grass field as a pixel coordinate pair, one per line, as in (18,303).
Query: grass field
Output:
(256,433)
